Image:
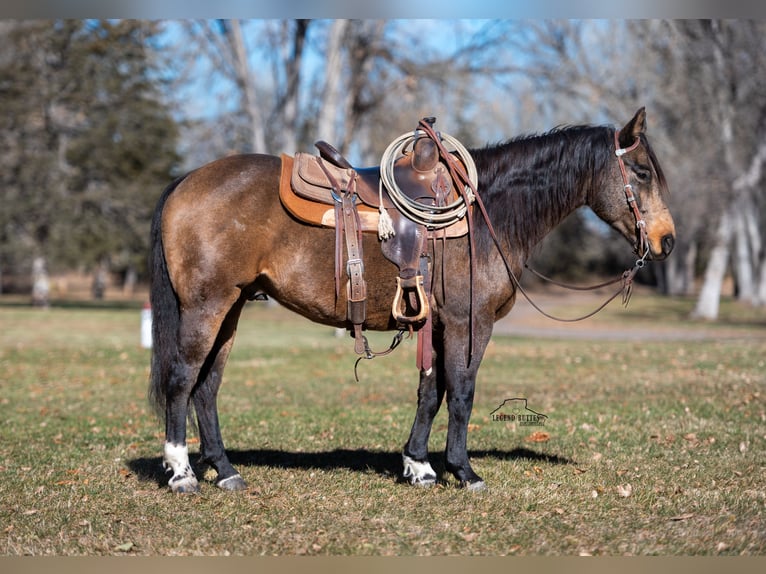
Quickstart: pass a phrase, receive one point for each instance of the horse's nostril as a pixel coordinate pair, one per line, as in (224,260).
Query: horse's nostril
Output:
(668,242)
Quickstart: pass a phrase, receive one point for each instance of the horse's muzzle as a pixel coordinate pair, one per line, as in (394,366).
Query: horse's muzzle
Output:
(666,245)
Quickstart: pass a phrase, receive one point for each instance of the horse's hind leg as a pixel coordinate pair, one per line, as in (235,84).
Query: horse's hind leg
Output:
(205,396)
(198,333)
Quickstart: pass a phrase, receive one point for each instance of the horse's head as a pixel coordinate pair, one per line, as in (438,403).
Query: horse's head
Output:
(633,197)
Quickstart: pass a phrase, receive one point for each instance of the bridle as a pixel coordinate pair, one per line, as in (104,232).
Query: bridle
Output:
(643,247)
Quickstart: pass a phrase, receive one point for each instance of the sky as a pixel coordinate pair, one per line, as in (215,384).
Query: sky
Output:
(154,9)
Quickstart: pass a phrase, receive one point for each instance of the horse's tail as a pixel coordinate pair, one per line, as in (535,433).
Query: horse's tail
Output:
(166,316)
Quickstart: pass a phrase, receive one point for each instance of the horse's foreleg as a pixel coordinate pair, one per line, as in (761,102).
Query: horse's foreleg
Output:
(460,391)
(205,401)
(417,469)
(461,383)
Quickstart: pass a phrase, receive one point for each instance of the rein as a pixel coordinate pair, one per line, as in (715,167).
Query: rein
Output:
(626,278)
(469,194)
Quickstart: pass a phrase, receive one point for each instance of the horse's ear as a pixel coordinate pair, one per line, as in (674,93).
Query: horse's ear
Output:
(634,128)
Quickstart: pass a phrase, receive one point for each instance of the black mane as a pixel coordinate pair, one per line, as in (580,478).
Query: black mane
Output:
(529,184)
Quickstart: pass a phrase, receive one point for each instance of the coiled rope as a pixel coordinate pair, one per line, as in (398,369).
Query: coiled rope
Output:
(432,216)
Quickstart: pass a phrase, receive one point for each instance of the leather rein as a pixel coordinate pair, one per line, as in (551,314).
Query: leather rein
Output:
(626,278)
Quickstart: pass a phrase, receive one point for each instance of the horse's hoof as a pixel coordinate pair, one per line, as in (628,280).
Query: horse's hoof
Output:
(184,485)
(235,482)
(418,473)
(476,486)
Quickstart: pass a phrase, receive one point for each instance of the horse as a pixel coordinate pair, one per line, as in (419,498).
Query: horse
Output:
(221,237)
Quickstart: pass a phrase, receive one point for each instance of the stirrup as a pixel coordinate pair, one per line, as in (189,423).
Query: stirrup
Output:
(416,283)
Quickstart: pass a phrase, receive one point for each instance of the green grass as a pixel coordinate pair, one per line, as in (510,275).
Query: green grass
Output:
(683,424)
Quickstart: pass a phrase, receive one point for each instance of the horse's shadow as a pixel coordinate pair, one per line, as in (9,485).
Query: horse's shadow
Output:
(383,463)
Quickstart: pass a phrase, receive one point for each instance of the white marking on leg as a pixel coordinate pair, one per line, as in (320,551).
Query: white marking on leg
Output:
(176,459)
(418,473)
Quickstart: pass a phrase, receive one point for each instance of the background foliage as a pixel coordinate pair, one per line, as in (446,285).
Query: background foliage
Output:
(100,115)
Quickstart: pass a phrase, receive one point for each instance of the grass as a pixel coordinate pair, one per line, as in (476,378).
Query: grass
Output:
(650,448)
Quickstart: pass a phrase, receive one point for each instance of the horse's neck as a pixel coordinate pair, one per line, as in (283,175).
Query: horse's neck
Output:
(531,196)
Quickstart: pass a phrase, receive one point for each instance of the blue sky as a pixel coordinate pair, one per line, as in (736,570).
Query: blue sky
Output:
(388,9)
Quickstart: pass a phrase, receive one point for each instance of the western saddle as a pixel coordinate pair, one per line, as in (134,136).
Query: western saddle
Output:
(411,197)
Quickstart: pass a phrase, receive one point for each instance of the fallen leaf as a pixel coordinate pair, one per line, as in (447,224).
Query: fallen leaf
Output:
(126,547)
(538,436)
(625,490)
(743,447)
(470,537)
(580,470)
(686,516)
(721,547)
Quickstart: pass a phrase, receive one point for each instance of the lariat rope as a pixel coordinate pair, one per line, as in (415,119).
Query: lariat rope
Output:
(432,216)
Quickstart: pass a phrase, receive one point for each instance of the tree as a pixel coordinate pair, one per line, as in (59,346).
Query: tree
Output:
(123,153)
(90,142)
(726,64)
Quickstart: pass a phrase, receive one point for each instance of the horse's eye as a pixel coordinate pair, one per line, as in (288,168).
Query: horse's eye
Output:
(643,175)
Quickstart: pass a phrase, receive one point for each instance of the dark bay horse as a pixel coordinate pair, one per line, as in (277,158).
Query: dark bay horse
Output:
(220,235)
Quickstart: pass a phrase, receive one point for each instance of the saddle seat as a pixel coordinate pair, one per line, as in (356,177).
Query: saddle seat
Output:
(310,181)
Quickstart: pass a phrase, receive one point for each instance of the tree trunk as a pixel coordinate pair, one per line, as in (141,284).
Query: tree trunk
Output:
(293,58)
(332,98)
(710,294)
(690,263)
(246,80)
(676,274)
(760,297)
(743,265)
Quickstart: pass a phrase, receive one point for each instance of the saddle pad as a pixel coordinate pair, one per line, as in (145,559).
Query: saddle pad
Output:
(315,213)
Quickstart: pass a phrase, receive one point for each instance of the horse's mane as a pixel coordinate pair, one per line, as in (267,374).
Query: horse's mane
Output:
(530,183)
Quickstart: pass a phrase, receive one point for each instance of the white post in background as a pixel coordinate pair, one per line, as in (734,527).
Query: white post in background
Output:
(146,326)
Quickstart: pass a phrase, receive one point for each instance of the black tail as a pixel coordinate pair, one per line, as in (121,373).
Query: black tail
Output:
(166,316)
